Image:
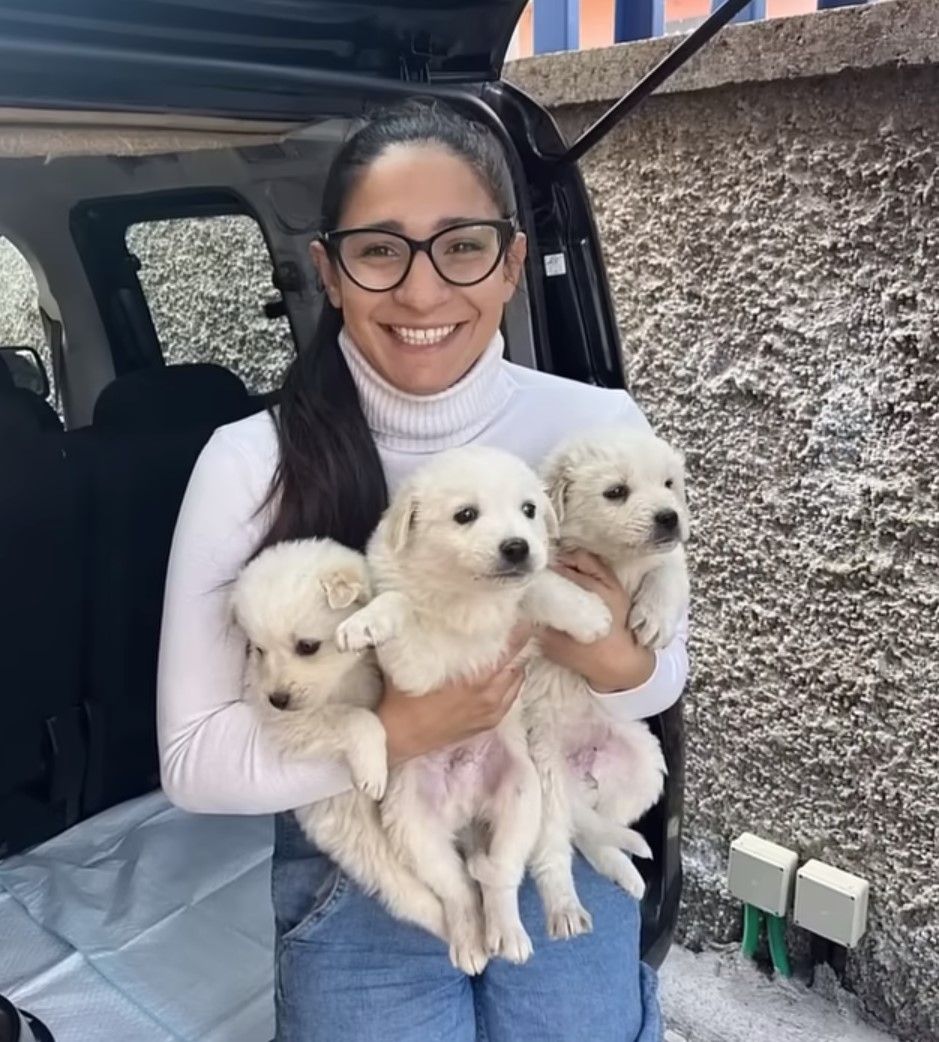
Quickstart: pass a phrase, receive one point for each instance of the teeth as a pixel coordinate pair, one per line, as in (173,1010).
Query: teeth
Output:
(422,336)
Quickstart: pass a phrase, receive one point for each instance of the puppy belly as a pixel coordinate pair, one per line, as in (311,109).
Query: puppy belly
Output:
(462,779)
(598,754)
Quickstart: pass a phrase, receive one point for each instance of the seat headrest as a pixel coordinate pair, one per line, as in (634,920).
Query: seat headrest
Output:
(6,378)
(22,412)
(192,395)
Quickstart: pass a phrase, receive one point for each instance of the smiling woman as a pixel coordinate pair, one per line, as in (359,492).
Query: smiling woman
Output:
(419,253)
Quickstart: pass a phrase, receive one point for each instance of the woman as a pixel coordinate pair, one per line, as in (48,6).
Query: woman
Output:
(419,254)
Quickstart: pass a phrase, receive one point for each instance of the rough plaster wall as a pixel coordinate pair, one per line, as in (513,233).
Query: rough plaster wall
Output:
(773,252)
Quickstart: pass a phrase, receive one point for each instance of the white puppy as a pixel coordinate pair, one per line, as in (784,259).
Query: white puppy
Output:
(315,701)
(618,493)
(459,558)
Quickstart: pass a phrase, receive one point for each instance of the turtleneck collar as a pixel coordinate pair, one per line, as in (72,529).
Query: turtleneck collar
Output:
(431,422)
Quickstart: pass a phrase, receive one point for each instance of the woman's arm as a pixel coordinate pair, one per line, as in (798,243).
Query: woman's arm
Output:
(214,757)
(633,681)
(663,687)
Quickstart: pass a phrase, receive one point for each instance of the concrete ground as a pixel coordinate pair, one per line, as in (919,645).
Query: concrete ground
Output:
(716,996)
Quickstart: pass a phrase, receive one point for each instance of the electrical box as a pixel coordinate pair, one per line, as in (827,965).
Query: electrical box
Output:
(831,903)
(762,873)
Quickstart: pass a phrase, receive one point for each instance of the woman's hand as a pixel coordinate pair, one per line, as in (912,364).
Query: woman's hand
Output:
(617,662)
(454,712)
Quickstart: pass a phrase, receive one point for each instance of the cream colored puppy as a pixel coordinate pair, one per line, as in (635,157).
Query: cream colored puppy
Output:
(316,701)
(460,558)
(619,494)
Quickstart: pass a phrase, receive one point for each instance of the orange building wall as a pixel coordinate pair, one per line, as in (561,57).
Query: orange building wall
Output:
(596,19)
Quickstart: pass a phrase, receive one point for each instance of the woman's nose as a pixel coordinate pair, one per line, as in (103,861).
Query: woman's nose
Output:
(423,289)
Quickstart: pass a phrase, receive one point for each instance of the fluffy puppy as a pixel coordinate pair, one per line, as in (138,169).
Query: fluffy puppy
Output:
(460,558)
(618,493)
(317,701)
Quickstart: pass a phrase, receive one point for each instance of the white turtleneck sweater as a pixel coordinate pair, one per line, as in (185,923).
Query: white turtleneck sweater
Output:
(214,756)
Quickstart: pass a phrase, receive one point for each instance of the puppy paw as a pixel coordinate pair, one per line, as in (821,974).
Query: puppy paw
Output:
(370,778)
(651,625)
(568,920)
(366,751)
(509,941)
(361,631)
(468,955)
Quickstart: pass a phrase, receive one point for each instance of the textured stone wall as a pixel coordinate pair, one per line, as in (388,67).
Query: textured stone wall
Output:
(773,251)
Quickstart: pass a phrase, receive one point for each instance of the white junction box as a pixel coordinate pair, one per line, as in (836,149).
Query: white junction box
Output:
(762,873)
(831,903)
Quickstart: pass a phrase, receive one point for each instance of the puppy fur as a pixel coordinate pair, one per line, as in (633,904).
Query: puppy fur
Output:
(619,494)
(459,558)
(314,700)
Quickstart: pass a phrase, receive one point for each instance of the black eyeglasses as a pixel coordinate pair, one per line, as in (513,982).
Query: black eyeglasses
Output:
(462,254)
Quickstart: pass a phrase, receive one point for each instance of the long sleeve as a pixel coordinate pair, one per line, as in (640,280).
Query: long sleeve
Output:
(214,757)
(661,690)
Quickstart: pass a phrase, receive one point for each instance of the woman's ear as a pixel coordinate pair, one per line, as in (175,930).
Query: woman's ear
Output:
(327,273)
(514,263)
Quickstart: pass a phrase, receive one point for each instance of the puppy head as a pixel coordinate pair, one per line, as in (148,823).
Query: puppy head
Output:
(289,602)
(619,492)
(472,514)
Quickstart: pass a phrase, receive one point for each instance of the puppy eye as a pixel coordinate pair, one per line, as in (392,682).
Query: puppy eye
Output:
(669,483)
(529,510)
(305,648)
(255,650)
(466,516)
(616,493)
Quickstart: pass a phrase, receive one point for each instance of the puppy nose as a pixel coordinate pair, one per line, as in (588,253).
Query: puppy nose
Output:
(666,520)
(514,550)
(279,699)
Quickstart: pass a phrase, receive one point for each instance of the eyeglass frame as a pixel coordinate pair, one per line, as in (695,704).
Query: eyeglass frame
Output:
(506,226)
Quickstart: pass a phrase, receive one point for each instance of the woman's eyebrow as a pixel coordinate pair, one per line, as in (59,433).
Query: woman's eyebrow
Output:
(444,222)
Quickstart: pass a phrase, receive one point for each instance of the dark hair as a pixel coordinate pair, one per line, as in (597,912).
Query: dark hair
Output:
(329,480)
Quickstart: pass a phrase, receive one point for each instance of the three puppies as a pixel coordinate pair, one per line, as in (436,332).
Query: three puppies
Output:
(459,559)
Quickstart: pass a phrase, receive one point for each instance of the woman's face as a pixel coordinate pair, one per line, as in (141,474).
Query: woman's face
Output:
(426,333)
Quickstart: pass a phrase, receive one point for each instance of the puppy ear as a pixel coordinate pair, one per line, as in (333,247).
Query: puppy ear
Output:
(400,521)
(552,523)
(557,484)
(345,588)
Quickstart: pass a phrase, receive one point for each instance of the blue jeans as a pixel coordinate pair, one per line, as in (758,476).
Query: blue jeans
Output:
(346,971)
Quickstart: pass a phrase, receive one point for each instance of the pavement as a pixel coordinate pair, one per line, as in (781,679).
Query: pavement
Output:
(718,996)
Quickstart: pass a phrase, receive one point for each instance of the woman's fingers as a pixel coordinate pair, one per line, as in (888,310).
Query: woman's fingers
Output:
(586,582)
(588,564)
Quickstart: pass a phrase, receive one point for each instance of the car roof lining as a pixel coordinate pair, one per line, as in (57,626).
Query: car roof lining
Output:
(50,134)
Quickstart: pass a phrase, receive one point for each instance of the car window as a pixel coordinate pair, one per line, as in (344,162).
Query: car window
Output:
(206,280)
(20,324)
